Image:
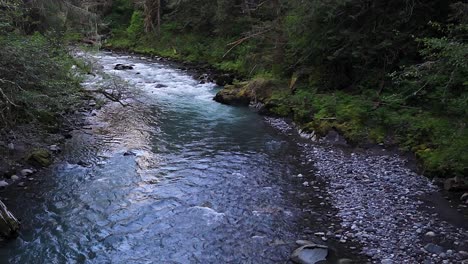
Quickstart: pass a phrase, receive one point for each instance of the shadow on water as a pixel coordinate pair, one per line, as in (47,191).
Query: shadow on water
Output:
(177,178)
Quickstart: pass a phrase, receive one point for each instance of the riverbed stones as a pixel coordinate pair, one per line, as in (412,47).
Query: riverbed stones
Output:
(381,201)
(310,254)
(3,184)
(14,178)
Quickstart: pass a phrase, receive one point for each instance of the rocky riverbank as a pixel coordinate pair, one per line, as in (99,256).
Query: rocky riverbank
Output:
(385,206)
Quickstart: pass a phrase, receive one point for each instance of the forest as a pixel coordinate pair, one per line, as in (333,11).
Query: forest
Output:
(233,131)
(392,73)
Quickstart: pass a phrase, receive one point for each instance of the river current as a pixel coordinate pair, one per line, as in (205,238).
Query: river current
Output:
(173,178)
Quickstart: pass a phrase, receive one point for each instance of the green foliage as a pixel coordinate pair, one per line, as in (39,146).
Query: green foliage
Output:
(35,80)
(440,82)
(136,28)
(390,72)
(120,15)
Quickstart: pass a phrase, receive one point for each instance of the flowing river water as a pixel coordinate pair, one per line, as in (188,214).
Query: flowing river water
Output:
(174,178)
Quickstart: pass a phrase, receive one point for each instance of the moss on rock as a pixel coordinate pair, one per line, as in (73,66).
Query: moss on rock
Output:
(41,157)
(242,93)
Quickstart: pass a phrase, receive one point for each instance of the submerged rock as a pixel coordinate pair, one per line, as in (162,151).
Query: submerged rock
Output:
(310,254)
(160,86)
(41,157)
(9,225)
(123,67)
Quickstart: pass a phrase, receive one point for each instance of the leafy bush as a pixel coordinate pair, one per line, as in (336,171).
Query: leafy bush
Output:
(35,80)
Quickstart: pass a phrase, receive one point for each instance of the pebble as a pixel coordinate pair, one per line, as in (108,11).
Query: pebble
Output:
(14,178)
(300,175)
(21,184)
(3,184)
(306,184)
(11,146)
(430,234)
(54,148)
(26,172)
(464,197)
(433,248)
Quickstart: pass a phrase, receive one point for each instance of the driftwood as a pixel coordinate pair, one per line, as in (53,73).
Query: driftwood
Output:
(110,96)
(9,225)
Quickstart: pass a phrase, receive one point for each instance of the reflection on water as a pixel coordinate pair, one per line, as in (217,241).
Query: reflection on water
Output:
(204,182)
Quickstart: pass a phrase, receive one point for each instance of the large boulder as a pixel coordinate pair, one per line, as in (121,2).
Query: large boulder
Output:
(224,79)
(257,90)
(40,157)
(234,95)
(456,184)
(9,225)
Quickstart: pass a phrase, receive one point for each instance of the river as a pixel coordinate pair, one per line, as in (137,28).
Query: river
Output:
(173,178)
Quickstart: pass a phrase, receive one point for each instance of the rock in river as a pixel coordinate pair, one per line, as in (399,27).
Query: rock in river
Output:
(310,254)
(123,67)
